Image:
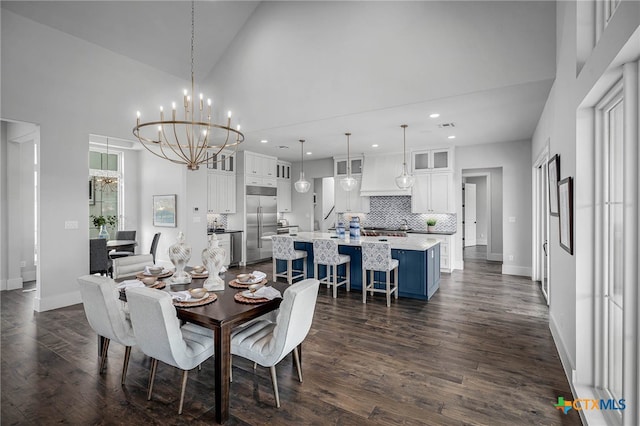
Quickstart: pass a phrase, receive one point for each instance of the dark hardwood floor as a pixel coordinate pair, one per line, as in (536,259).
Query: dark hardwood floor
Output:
(480,352)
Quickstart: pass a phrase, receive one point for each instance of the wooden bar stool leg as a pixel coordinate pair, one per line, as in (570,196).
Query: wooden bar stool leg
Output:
(388,273)
(372,285)
(289,271)
(397,289)
(364,285)
(348,266)
(275,261)
(335,281)
(304,268)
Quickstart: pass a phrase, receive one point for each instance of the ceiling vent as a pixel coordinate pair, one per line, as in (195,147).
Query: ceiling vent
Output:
(446,125)
(283,147)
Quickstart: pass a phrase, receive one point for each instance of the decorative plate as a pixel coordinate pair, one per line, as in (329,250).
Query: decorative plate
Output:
(237,284)
(166,273)
(208,298)
(249,300)
(158,284)
(203,274)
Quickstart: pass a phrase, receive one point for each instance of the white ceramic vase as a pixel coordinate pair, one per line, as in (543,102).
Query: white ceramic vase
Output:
(179,254)
(213,258)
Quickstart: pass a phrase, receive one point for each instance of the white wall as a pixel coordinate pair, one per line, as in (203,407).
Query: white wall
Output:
(515,160)
(566,125)
(4,227)
(72,88)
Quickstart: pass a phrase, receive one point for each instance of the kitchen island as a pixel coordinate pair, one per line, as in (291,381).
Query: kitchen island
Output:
(418,258)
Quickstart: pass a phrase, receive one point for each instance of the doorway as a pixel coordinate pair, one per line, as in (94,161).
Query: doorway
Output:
(541,223)
(482,214)
(19,168)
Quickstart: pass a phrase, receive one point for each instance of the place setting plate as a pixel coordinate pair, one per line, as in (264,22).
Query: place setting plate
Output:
(164,274)
(207,298)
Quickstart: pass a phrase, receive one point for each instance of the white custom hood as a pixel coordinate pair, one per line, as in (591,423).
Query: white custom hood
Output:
(379,174)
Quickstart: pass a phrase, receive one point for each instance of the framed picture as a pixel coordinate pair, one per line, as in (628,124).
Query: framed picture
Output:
(553,169)
(565,199)
(164,210)
(92,187)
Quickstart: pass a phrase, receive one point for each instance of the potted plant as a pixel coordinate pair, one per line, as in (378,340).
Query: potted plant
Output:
(101,222)
(431,224)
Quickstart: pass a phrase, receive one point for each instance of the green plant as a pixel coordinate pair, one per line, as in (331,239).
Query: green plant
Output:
(98,221)
(431,222)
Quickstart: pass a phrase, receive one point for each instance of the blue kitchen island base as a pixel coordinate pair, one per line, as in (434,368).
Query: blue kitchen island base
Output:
(418,270)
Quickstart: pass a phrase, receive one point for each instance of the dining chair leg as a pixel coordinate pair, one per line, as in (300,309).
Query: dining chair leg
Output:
(255,365)
(185,374)
(103,355)
(152,376)
(127,355)
(274,381)
(296,358)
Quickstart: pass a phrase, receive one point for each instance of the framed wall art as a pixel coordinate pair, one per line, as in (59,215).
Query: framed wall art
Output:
(164,210)
(565,200)
(553,169)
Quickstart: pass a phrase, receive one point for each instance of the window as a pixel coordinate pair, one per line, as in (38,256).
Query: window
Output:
(105,188)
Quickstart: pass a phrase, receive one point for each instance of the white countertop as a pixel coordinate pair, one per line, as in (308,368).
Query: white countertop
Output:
(415,242)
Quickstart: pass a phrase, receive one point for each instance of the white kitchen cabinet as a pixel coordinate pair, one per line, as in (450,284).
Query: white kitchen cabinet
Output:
(222,193)
(350,201)
(284,195)
(446,263)
(433,193)
(432,160)
(224,162)
(283,170)
(340,166)
(260,169)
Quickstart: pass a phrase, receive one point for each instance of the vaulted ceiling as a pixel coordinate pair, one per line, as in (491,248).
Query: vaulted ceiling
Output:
(313,70)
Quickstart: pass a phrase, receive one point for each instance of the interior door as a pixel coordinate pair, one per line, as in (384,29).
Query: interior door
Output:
(470,219)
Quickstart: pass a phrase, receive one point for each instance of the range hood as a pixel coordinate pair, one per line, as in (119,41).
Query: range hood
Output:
(379,174)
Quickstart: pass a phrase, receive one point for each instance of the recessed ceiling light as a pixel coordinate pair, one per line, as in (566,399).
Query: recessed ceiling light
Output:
(451,137)
(375,145)
(434,115)
(264,141)
(309,152)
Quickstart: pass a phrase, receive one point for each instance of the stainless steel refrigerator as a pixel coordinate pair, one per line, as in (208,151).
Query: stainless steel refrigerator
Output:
(262,221)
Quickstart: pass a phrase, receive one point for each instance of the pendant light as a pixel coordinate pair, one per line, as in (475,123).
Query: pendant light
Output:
(405,180)
(302,185)
(348,183)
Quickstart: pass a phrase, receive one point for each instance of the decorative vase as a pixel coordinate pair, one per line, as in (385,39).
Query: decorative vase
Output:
(179,254)
(213,258)
(103,232)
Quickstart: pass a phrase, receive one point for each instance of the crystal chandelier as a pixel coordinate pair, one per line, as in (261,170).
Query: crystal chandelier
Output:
(106,179)
(405,180)
(302,185)
(189,141)
(348,183)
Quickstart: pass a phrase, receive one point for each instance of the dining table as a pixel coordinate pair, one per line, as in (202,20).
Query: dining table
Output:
(221,316)
(119,244)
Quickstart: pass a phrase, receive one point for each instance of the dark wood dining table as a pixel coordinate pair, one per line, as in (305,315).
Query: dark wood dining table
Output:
(118,244)
(222,316)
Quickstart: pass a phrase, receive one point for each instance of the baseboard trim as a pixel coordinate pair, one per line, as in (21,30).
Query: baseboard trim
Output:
(516,270)
(14,283)
(57,301)
(494,257)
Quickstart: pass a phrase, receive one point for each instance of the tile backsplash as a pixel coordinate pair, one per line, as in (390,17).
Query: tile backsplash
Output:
(388,212)
(220,218)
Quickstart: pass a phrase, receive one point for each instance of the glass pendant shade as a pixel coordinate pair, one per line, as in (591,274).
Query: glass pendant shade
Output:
(348,183)
(302,185)
(405,180)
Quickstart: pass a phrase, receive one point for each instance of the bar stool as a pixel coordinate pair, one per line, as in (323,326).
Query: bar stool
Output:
(325,252)
(283,249)
(377,257)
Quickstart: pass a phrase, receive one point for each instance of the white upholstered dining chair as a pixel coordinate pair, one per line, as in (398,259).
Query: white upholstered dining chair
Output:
(159,335)
(130,265)
(266,343)
(106,316)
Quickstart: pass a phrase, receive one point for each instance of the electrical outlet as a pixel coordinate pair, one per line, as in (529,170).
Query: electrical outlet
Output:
(23,264)
(511,257)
